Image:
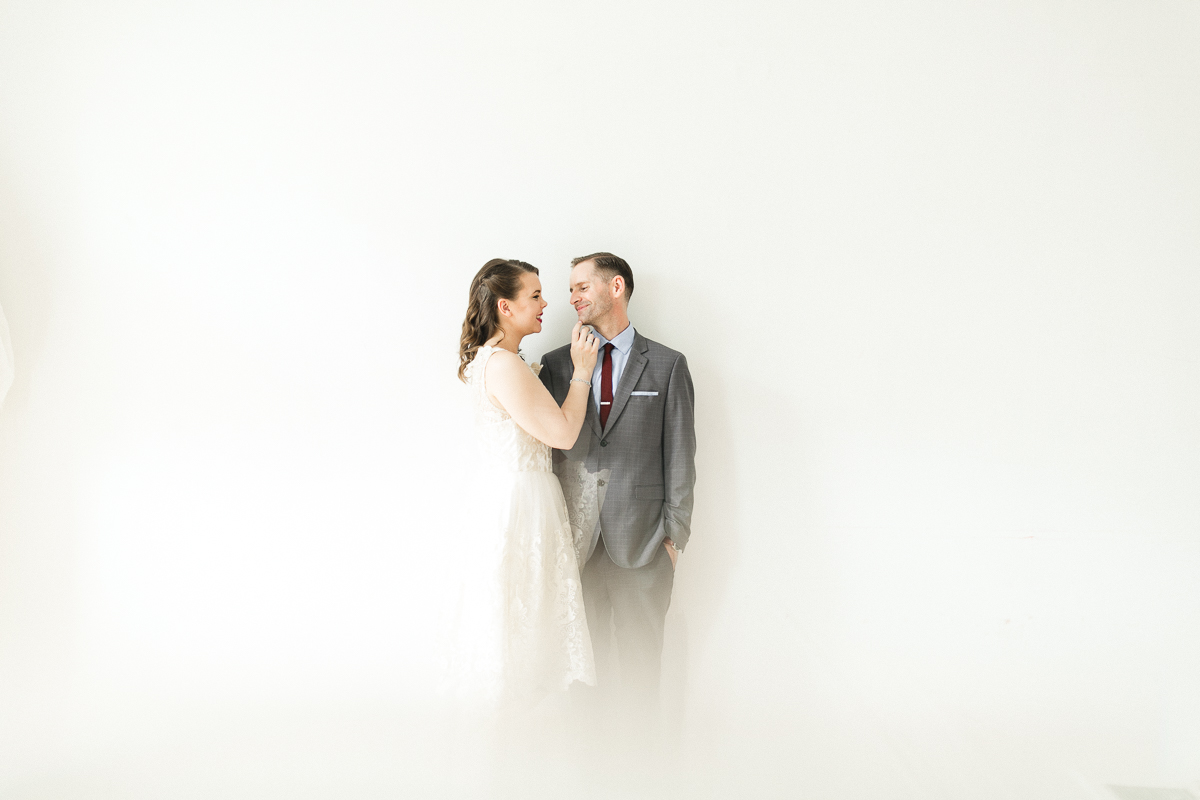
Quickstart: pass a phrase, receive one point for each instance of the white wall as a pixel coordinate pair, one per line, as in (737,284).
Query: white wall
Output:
(934,268)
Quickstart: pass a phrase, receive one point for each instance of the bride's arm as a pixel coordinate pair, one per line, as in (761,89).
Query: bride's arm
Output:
(513,386)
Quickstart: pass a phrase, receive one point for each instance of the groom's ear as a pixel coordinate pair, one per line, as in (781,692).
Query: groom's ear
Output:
(618,286)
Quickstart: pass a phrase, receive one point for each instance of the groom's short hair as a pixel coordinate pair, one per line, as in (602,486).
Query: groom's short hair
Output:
(610,266)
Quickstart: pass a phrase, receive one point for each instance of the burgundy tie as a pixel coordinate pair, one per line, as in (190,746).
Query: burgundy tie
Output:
(606,385)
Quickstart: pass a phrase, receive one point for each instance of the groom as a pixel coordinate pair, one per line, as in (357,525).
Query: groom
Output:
(636,453)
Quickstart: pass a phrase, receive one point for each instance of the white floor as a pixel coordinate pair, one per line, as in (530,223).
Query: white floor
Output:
(258,750)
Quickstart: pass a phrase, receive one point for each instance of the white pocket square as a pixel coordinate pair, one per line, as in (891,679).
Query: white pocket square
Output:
(644,394)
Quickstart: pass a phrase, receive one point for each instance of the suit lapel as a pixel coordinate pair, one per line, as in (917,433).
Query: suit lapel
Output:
(629,378)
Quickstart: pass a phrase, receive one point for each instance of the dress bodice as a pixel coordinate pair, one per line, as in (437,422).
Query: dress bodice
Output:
(503,444)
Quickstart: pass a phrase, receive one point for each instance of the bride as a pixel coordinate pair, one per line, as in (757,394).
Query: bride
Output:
(530,635)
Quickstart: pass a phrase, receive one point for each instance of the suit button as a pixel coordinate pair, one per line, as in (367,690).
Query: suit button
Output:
(604,442)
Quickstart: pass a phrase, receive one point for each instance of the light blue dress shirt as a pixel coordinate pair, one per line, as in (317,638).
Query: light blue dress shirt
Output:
(622,343)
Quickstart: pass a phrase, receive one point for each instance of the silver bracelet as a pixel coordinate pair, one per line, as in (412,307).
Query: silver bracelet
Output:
(581,380)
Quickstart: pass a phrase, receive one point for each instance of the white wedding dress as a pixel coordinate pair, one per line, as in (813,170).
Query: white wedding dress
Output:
(521,631)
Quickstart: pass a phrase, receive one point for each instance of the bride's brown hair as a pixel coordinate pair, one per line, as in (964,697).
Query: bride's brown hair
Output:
(500,279)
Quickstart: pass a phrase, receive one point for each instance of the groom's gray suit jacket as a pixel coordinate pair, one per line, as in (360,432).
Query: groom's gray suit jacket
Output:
(648,449)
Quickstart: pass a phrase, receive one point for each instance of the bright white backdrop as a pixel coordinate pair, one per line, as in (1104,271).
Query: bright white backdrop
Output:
(934,267)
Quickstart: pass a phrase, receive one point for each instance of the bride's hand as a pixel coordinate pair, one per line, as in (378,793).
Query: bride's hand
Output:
(584,347)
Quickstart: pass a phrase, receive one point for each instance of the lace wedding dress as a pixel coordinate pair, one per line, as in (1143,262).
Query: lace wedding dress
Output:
(521,630)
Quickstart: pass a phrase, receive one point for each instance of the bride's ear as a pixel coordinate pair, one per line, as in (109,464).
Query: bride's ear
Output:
(502,307)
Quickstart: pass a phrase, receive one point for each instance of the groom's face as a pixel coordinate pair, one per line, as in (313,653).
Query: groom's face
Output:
(590,293)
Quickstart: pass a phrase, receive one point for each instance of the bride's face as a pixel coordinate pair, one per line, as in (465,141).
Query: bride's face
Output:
(525,312)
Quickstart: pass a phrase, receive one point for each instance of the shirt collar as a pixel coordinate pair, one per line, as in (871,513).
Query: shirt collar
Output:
(623,341)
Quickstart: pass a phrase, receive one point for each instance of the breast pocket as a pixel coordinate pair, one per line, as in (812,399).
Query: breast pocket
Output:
(643,394)
(648,493)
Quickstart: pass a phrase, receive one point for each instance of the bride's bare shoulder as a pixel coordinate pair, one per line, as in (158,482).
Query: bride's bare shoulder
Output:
(505,362)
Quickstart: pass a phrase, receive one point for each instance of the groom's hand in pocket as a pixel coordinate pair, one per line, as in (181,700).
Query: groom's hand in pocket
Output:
(671,551)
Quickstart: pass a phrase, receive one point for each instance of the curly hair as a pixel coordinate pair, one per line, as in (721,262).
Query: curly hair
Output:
(500,279)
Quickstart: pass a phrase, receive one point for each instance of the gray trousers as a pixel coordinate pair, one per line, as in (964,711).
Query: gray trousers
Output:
(626,610)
